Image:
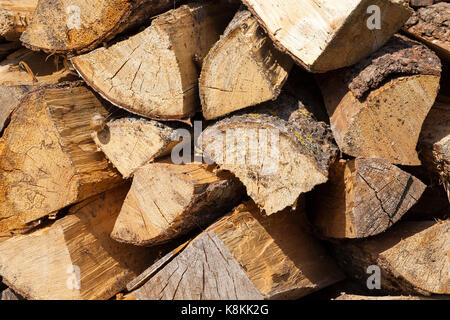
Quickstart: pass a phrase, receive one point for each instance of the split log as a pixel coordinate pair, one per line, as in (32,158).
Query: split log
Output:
(377,107)
(23,71)
(130,143)
(47,157)
(15,15)
(277,150)
(243,69)
(74,258)
(363,197)
(431,25)
(320,35)
(168,200)
(155,73)
(434,141)
(412,256)
(77,26)
(245,256)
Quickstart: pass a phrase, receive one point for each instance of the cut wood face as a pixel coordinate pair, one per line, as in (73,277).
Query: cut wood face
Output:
(48,159)
(221,263)
(15,15)
(317,33)
(153,73)
(130,143)
(74,258)
(167,201)
(363,197)
(243,69)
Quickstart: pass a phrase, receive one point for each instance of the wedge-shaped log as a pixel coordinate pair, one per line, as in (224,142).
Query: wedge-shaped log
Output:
(320,35)
(430,25)
(245,256)
(23,71)
(15,15)
(130,143)
(155,72)
(75,26)
(47,157)
(74,258)
(168,200)
(434,141)
(277,150)
(243,69)
(412,256)
(377,107)
(363,197)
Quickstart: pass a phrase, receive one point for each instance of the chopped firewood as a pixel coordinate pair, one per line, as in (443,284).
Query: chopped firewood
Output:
(154,73)
(47,157)
(377,107)
(322,35)
(245,255)
(15,15)
(278,150)
(363,197)
(168,200)
(243,69)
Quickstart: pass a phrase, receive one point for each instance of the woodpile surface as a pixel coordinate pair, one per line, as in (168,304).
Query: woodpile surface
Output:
(218,149)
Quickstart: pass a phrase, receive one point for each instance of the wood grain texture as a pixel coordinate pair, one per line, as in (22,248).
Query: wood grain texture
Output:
(363,197)
(245,256)
(15,16)
(48,159)
(154,73)
(242,69)
(319,34)
(74,258)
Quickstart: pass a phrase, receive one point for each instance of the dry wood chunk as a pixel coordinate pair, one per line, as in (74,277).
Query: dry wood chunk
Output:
(168,200)
(245,255)
(130,143)
(320,35)
(431,25)
(413,257)
(154,73)
(278,151)
(74,258)
(47,157)
(243,69)
(75,26)
(377,107)
(15,15)
(363,197)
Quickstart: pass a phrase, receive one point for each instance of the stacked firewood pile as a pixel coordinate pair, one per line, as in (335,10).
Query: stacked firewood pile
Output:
(224,149)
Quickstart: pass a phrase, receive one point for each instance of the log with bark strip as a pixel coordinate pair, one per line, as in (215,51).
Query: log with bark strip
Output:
(15,16)
(278,150)
(364,197)
(47,157)
(155,73)
(377,107)
(320,35)
(221,262)
(74,257)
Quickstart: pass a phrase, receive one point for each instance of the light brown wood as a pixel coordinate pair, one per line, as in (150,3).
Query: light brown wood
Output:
(363,197)
(413,257)
(16,80)
(430,26)
(242,69)
(167,201)
(130,143)
(377,107)
(154,73)
(75,26)
(74,258)
(245,256)
(320,35)
(47,157)
(278,151)
(15,15)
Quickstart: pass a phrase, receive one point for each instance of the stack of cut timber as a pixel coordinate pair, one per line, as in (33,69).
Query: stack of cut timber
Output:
(224,149)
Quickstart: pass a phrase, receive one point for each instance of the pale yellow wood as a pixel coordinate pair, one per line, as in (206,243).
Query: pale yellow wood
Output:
(15,15)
